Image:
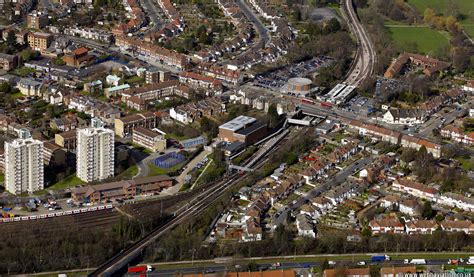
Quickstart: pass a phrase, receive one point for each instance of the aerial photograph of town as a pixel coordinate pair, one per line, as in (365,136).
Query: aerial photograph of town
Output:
(237,138)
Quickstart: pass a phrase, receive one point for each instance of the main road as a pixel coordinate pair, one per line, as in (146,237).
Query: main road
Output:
(363,66)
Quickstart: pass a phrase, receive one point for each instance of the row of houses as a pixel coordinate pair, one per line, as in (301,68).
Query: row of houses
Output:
(392,225)
(190,112)
(319,164)
(175,25)
(153,52)
(244,224)
(394,137)
(121,189)
(456,134)
(420,190)
(136,16)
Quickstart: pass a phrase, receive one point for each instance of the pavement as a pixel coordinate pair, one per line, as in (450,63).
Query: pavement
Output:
(335,180)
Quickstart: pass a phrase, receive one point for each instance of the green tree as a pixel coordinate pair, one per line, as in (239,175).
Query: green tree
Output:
(427,212)
(11,38)
(273,116)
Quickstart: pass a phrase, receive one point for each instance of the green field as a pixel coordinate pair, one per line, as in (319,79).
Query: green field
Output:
(68,182)
(469,29)
(464,7)
(424,39)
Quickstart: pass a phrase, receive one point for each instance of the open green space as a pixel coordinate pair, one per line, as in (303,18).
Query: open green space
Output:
(155,170)
(70,181)
(469,29)
(418,39)
(130,172)
(22,71)
(447,7)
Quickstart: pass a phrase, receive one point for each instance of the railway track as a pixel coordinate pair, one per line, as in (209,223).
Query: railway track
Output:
(194,207)
(366,55)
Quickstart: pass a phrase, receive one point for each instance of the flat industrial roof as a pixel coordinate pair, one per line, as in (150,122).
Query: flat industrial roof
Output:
(237,123)
(251,129)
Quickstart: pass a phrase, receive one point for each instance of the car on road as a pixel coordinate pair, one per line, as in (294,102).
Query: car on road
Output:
(361,263)
(331,263)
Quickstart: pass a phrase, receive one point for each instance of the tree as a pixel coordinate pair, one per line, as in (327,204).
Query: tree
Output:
(333,25)
(28,55)
(428,15)
(11,38)
(273,116)
(408,155)
(427,212)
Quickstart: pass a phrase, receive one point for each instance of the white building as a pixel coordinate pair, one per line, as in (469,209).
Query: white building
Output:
(95,154)
(180,115)
(24,170)
(404,116)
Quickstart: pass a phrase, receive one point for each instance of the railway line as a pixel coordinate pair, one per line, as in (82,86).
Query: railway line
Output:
(194,207)
(365,57)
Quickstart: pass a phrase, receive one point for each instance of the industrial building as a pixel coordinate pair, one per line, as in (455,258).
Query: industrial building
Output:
(243,129)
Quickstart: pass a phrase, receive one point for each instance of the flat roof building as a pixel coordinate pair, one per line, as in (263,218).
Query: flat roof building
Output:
(244,129)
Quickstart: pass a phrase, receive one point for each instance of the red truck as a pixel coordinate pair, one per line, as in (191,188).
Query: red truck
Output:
(140,269)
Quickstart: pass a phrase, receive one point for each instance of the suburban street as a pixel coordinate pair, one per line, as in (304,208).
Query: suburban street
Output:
(261,29)
(333,182)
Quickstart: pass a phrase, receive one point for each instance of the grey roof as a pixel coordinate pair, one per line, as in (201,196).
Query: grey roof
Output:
(237,123)
(251,129)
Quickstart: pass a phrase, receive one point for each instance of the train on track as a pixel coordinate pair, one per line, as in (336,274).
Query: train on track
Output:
(56,214)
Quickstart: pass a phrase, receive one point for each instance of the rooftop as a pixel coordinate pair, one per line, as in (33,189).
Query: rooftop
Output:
(237,123)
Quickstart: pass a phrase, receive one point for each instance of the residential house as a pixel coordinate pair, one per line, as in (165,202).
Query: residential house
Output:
(124,126)
(414,188)
(457,135)
(29,87)
(404,116)
(8,62)
(149,139)
(305,226)
(457,200)
(401,271)
(67,140)
(389,224)
(421,227)
(465,226)
(347,272)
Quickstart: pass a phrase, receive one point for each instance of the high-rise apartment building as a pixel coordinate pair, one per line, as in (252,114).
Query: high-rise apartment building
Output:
(24,171)
(95,154)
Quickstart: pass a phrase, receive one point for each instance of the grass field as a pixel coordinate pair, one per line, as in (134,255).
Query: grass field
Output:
(465,7)
(426,39)
(70,181)
(469,29)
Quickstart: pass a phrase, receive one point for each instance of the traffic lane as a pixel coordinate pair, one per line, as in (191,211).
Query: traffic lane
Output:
(285,265)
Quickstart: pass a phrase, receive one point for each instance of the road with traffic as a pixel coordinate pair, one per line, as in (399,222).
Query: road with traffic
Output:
(292,262)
